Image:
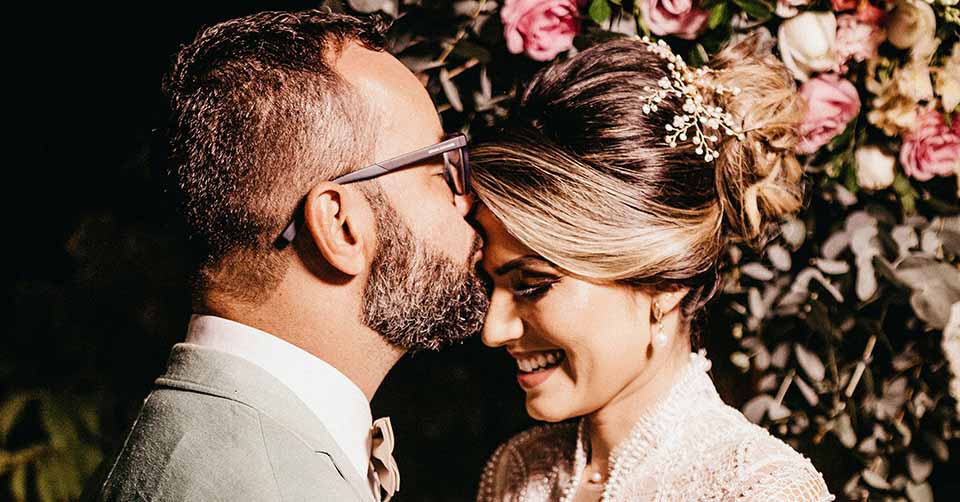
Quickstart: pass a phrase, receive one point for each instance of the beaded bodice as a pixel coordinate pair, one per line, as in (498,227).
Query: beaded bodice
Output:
(689,447)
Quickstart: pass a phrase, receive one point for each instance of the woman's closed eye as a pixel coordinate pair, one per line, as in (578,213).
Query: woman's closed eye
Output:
(533,289)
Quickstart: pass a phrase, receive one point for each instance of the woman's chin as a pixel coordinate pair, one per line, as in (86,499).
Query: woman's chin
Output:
(540,409)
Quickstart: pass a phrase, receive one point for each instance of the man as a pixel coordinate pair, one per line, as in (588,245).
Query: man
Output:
(327,210)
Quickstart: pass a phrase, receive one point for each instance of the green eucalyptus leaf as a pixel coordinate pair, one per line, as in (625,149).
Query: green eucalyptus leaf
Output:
(371,6)
(935,285)
(600,11)
(818,318)
(469,50)
(10,409)
(843,428)
(919,492)
(60,427)
(450,90)
(719,14)
(757,271)
(48,488)
(938,445)
(18,483)
(875,480)
(756,9)
(811,364)
(919,467)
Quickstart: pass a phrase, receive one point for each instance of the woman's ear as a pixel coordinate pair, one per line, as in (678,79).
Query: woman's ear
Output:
(334,218)
(669,300)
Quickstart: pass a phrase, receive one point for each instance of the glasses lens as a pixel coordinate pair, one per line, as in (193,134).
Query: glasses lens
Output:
(455,162)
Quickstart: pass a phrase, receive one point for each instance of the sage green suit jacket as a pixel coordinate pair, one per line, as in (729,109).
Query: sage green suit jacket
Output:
(217,427)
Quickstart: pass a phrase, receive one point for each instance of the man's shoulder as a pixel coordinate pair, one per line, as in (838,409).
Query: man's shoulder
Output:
(186,445)
(192,446)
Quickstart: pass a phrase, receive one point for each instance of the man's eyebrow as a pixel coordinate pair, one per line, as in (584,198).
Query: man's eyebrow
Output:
(519,262)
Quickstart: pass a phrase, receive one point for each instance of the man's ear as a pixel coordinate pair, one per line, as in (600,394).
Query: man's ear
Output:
(334,220)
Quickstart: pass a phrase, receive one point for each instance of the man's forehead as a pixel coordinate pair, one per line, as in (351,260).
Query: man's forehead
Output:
(390,89)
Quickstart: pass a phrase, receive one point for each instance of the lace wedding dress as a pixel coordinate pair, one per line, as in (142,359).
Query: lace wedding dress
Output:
(689,447)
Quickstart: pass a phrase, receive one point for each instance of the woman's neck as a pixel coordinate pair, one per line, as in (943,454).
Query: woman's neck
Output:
(610,425)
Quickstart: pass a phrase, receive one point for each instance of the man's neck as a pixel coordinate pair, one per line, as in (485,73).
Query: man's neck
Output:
(343,342)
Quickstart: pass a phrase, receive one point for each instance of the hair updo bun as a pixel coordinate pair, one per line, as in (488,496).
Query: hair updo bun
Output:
(758,178)
(583,176)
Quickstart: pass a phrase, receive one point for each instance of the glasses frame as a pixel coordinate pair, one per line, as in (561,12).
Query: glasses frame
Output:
(450,143)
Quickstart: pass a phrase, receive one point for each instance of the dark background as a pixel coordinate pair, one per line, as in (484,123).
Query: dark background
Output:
(95,274)
(96,277)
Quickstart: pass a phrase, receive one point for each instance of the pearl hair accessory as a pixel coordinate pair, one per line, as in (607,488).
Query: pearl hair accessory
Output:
(701,121)
(660,339)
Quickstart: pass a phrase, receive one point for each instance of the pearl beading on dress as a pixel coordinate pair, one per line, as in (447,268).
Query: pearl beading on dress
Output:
(688,447)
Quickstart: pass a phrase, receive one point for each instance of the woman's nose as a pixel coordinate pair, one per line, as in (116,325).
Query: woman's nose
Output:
(464,203)
(503,325)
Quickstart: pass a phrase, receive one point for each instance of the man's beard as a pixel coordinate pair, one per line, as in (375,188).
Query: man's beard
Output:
(417,297)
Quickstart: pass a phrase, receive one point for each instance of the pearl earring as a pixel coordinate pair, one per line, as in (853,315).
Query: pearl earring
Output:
(660,339)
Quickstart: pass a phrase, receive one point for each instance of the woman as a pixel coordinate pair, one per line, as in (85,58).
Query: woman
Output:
(608,199)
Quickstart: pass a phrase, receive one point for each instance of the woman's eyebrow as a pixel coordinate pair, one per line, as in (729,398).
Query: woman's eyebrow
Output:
(519,262)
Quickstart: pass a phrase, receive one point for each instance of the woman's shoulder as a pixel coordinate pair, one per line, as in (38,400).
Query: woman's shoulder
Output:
(772,470)
(528,456)
(724,446)
(767,468)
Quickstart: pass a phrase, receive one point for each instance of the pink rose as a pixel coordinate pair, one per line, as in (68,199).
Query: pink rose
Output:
(831,103)
(842,5)
(674,17)
(541,28)
(869,13)
(931,148)
(857,40)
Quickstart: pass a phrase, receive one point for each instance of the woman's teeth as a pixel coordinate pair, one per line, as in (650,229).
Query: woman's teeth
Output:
(540,360)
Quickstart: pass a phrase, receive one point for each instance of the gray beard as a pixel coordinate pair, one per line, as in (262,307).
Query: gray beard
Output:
(417,297)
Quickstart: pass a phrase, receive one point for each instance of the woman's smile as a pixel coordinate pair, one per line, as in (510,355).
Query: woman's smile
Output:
(535,367)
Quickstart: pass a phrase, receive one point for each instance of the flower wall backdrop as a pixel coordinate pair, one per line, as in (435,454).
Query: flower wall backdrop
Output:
(842,338)
(840,323)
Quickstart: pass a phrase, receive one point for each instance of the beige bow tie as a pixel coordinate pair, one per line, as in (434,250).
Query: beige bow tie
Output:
(388,474)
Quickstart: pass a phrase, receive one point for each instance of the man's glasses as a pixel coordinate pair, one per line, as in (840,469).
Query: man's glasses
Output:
(456,164)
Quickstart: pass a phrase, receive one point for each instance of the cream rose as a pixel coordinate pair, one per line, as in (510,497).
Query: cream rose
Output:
(857,40)
(875,168)
(948,80)
(807,43)
(913,81)
(913,25)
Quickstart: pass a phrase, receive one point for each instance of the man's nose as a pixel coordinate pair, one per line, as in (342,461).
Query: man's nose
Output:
(503,325)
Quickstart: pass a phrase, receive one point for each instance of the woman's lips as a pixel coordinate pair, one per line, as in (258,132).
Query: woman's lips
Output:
(535,367)
(530,380)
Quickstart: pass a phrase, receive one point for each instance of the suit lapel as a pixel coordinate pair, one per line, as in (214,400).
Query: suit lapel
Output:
(199,369)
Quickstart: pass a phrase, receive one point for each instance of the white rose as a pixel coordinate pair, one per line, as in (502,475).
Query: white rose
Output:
(913,25)
(788,8)
(913,81)
(948,80)
(807,43)
(874,168)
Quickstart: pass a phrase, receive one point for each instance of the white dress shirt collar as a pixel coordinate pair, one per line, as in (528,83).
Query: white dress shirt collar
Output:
(339,404)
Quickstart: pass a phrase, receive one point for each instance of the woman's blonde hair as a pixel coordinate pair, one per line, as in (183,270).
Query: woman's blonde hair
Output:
(580,175)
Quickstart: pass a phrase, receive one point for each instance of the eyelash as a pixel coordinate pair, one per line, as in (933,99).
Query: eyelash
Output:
(535,291)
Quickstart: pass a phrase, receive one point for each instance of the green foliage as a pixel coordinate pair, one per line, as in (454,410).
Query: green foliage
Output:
(64,454)
(719,15)
(834,333)
(600,11)
(757,9)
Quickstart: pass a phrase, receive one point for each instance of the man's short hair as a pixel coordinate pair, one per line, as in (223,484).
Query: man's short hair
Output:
(259,116)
